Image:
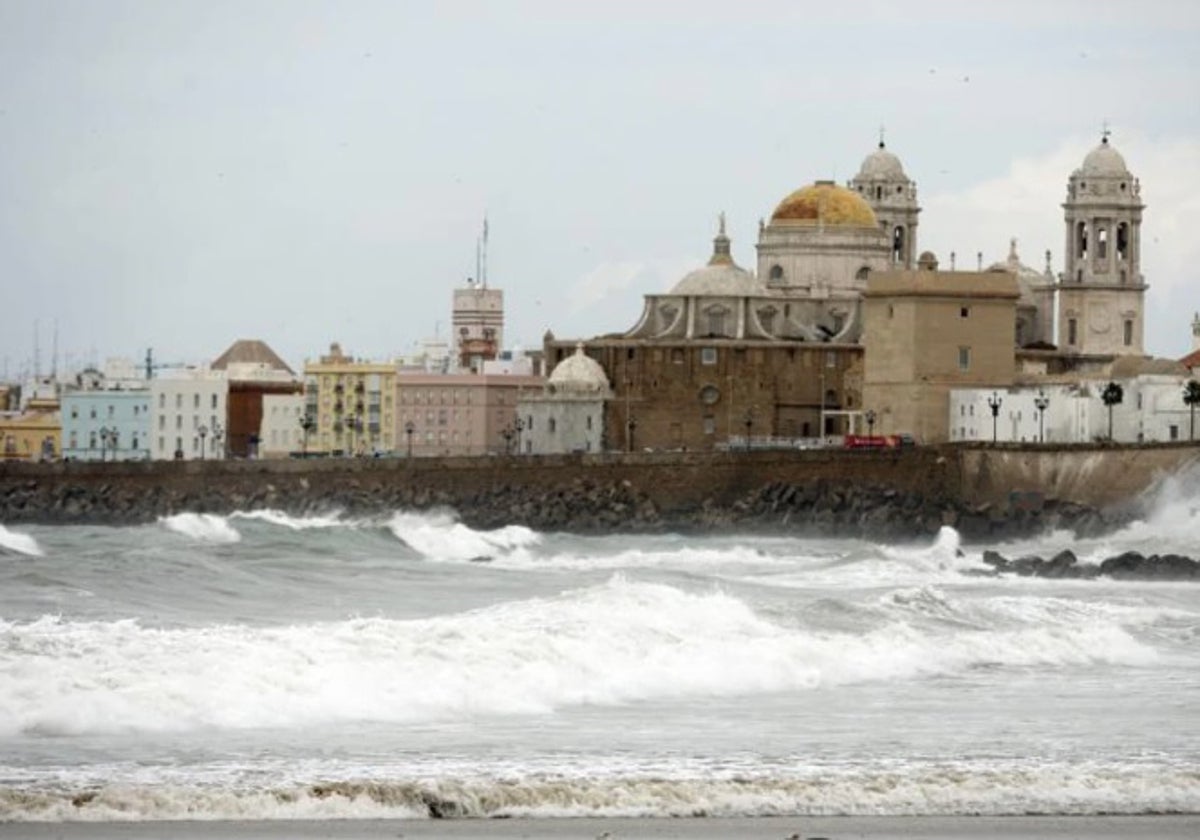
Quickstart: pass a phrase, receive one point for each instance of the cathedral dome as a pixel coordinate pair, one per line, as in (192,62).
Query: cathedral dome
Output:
(722,277)
(828,204)
(1104,160)
(881,165)
(579,372)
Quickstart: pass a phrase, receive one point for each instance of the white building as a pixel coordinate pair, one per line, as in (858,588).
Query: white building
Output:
(188,414)
(568,414)
(1151,409)
(281,432)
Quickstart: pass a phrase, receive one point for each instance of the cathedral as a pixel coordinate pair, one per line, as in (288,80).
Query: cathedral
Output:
(729,353)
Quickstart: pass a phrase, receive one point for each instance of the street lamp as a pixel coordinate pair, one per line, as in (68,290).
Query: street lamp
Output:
(218,432)
(994,402)
(1041,401)
(520,427)
(748,422)
(307,424)
(630,425)
(507,434)
(103,441)
(408,432)
(203,430)
(870,422)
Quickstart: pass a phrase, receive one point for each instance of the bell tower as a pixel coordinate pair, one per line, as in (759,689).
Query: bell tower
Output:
(893,197)
(1101,292)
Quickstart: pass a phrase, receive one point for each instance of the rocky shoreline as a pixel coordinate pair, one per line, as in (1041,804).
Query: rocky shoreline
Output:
(1129,565)
(820,507)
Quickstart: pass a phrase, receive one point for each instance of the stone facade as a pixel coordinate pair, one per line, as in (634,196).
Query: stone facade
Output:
(710,394)
(928,331)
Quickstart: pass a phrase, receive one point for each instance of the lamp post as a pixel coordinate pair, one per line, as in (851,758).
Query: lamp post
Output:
(1041,401)
(103,441)
(203,430)
(507,434)
(408,433)
(520,425)
(748,422)
(994,402)
(870,422)
(630,426)
(218,433)
(307,424)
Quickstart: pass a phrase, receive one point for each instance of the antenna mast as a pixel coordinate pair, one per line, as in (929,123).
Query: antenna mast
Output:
(484,271)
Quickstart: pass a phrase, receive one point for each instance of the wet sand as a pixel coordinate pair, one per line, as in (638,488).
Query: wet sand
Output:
(1184,827)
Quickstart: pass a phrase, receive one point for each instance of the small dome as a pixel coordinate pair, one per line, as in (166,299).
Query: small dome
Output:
(579,372)
(722,277)
(881,165)
(828,204)
(1104,160)
(927,261)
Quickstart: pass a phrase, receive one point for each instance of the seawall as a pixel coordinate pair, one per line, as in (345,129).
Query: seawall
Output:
(982,490)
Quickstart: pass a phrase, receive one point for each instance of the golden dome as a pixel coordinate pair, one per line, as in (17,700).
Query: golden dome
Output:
(825,203)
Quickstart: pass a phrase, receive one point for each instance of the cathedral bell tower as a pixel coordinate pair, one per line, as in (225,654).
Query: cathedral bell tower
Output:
(893,197)
(1101,292)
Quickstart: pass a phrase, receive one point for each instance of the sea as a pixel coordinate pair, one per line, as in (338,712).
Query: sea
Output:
(259,666)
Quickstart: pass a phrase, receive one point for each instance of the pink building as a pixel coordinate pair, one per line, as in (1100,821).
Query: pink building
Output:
(460,414)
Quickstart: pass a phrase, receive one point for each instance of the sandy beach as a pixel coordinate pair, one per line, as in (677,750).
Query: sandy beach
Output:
(1173,827)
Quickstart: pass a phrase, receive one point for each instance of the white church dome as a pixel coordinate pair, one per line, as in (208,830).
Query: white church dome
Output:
(579,372)
(1104,160)
(881,164)
(722,277)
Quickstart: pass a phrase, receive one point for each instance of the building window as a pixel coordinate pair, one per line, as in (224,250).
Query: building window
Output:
(708,355)
(553,425)
(964,358)
(776,273)
(1128,333)
(162,400)
(710,425)
(830,359)
(179,401)
(214,401)
(716,323)
(589,422)
(964,312)
(1071,330)
(195,400)
(677,355)
(92,412)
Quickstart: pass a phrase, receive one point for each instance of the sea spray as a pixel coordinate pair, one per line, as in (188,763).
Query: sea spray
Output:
(19,543)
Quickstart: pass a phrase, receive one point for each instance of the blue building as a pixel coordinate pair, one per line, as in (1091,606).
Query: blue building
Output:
(106,425)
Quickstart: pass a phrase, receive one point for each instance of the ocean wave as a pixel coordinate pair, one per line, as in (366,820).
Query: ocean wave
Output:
(440,536)
(203,527)
(19,543)
(958,788)
(295,523)
(610,644)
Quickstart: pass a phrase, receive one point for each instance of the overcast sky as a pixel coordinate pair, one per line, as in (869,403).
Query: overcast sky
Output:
(179,174)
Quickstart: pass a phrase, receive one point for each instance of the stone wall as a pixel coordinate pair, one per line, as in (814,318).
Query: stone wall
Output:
(984,491)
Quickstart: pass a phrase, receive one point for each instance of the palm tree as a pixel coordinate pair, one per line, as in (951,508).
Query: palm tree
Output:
(1191,398)
(1113,395)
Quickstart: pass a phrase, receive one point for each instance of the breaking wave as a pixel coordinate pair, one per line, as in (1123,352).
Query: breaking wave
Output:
(204,527)
(19,543)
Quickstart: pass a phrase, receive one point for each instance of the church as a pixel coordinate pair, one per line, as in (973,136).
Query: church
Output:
(731,356)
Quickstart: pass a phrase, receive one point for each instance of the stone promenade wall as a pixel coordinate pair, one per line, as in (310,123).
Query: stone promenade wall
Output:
(984,491)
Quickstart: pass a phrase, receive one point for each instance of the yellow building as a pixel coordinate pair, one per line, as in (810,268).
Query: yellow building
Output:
(927,331)
(35,435)
(349,405)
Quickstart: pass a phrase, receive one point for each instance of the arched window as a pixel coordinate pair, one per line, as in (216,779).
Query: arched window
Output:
(897,243)
(862,273)
(1102,244)
(1122,242)
(776,272)
(1081,241)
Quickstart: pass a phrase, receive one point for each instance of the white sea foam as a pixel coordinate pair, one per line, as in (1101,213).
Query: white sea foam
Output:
(296,523)
(986,788)
(610,644)
(439,536)
(205,527)
(19,543)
